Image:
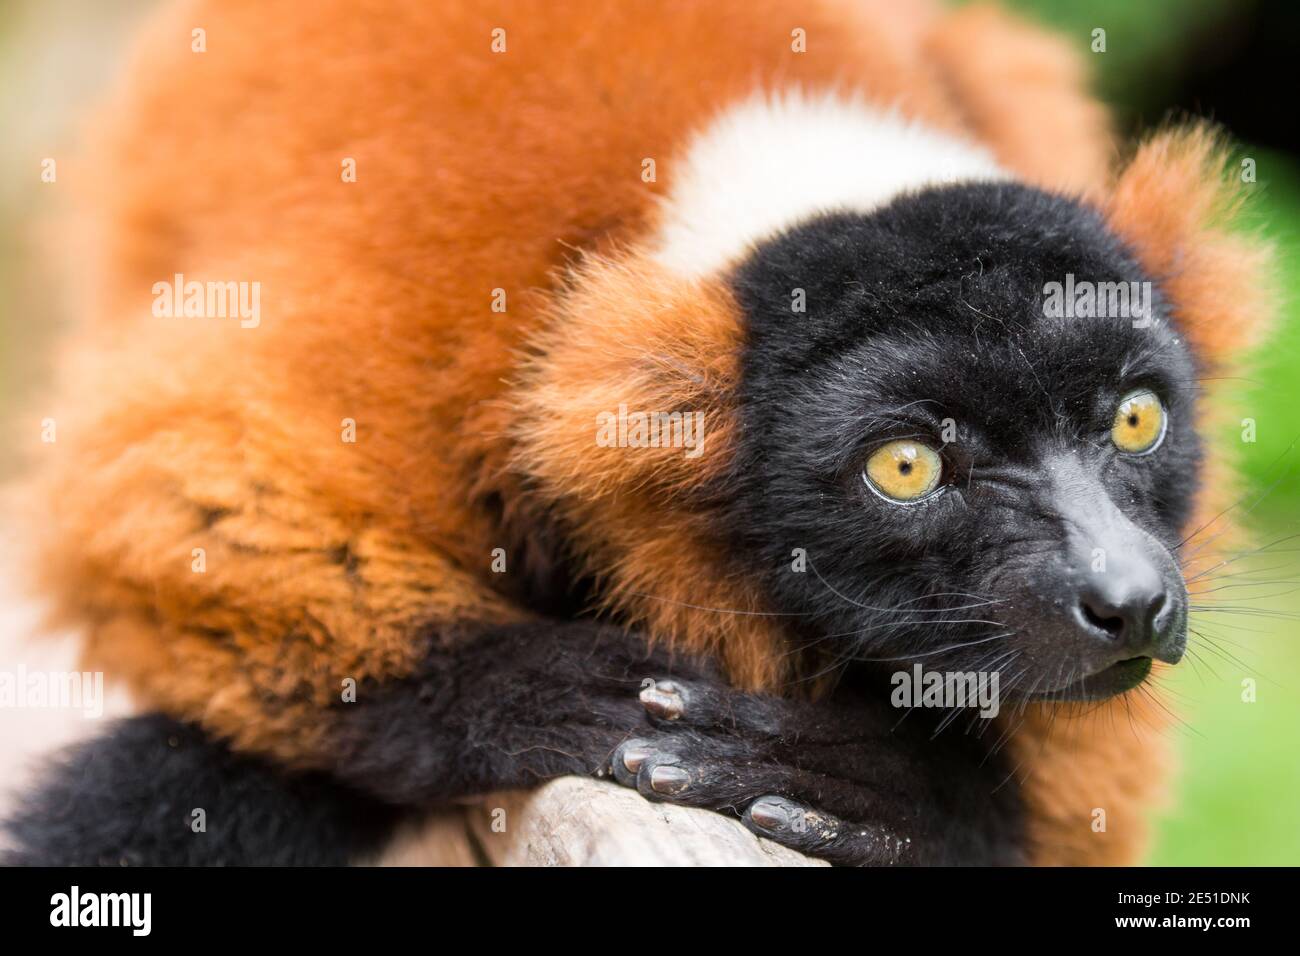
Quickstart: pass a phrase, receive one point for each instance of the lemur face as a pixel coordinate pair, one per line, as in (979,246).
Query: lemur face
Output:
(985,470)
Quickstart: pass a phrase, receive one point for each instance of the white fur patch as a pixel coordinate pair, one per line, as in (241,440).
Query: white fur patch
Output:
(772,161)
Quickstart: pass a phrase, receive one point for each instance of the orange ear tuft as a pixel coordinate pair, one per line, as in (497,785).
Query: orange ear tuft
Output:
(1179,206)
(632,338)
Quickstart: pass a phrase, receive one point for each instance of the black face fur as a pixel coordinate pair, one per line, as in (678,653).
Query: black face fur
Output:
(932,309)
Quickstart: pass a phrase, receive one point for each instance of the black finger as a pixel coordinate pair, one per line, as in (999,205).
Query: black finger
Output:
(711,706)
(824,835)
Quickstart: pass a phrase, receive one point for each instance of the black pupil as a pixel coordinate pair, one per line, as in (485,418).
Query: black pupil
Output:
(1133,420)
(905,467)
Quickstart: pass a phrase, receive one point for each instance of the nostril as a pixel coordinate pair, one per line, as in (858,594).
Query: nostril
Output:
(1153,611)
(1111,624)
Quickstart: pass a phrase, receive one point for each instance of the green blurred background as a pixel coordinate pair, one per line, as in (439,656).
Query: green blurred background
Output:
(1235,801)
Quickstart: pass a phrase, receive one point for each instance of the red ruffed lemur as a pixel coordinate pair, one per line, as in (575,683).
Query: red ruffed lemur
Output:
(633,389)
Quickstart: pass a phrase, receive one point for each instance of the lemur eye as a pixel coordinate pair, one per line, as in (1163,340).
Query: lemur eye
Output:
(1139,423)
(904,470)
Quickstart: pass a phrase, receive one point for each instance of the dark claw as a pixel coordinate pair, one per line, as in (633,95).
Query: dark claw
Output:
(779,817)
(664,700)
(634,756)
(774,814)
(628,758)
(669,780)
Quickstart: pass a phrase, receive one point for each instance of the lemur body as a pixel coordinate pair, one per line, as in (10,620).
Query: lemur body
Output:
(628,181)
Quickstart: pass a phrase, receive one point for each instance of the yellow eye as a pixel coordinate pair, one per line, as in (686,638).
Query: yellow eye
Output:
(1139,423)
(904,470)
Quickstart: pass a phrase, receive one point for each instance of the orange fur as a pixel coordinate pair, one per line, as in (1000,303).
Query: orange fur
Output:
(472,176)
(631,333)
(1177,202)
(1022,92)
(478,172)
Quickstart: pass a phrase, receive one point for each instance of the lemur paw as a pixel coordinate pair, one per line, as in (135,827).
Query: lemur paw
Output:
(720,750)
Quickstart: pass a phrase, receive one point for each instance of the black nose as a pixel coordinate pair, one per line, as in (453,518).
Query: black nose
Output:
(1130,609)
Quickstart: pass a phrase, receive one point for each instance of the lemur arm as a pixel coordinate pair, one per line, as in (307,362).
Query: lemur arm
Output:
(511,706)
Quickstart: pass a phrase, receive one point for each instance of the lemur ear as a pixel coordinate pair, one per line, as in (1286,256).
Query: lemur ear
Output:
(1179,204)
(630,338)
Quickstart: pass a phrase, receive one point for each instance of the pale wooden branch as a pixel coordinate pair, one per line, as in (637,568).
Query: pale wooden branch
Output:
(576,821)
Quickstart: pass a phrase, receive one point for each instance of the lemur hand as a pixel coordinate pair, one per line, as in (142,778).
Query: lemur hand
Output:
(843,781)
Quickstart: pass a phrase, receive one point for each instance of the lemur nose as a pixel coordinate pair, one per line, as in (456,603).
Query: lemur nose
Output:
(1129,609)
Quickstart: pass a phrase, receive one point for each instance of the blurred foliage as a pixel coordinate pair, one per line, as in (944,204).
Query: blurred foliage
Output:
(1271,393)
(1234,802)
(1147,41)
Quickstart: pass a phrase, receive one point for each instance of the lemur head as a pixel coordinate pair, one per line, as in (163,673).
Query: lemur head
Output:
(986,467)
(954,424)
